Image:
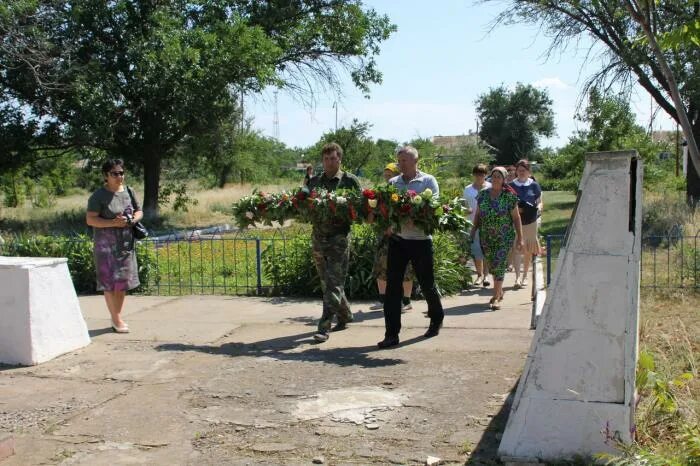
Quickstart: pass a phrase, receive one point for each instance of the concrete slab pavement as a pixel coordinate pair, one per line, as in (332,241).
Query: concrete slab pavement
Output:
(225,380)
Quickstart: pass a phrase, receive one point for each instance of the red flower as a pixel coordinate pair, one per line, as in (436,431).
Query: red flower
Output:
(405,208)
(411,193)
(301,195)
(383,210)
(369,193)
(353,214)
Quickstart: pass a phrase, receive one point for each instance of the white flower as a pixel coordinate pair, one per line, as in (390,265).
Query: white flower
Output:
(417,200)
(427,193)
(249,215)
(372,203)
(341,200)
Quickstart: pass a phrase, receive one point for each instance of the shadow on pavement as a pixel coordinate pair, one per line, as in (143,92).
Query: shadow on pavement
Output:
(9,367)
(467,309)
(99,331)
(359,316)
(280,349)
(486,451)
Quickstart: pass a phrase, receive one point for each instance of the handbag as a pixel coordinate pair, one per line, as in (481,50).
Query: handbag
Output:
(138,229)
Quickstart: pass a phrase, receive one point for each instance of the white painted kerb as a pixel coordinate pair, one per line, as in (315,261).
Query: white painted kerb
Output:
(40,314)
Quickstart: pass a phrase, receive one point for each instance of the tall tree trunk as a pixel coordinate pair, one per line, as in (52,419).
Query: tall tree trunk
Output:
(224,173)
(692,179)
(151,184)
(641,13)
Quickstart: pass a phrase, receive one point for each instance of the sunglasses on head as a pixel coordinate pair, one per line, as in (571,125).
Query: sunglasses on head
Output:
(115,174)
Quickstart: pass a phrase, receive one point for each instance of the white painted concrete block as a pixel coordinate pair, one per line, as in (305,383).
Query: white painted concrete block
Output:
(576,394)
(549,438)
(40,314)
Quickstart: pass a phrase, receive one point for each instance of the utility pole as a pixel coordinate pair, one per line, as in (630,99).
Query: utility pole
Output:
(276,120)
(335,105)
(678,145)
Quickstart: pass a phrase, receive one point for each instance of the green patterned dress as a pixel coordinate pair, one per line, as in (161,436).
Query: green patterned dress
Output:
(496,229)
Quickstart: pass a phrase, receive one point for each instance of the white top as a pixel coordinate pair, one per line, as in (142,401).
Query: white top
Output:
(30,262)
(469,196)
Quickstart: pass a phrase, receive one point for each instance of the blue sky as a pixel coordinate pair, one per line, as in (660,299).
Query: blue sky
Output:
(439,61)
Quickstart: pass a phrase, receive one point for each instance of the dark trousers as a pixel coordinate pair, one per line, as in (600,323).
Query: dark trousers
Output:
(420,254)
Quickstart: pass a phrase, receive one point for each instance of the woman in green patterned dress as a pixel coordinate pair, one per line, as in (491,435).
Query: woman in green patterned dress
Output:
(498,223)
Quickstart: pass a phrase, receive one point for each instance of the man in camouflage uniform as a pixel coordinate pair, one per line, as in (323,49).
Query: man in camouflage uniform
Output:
(330,245)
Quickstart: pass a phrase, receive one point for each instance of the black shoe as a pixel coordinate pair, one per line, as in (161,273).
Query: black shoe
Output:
(486,283)
(388,342)
(433,330)
(339,327)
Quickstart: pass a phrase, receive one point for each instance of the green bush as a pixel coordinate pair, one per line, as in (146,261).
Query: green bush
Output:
(292,267)
(79,252)
(664,216)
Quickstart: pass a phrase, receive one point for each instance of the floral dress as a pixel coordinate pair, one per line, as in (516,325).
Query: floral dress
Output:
(115,257)
(496,229)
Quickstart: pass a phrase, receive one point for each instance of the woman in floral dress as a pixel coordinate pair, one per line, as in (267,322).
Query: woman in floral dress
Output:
(111,212)
(498,222)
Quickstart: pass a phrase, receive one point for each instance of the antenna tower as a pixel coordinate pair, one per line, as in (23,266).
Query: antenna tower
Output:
(276,121)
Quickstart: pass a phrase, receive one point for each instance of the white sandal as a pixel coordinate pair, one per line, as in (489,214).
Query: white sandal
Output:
(123,329)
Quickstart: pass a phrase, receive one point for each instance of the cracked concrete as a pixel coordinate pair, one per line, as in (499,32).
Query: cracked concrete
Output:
(229,380)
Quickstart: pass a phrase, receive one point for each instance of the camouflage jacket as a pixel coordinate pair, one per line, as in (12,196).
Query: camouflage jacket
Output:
(341,180)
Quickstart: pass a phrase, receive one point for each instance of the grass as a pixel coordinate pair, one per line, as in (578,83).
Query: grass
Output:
(670,332)
(226,265)
(558,206)
(67,215)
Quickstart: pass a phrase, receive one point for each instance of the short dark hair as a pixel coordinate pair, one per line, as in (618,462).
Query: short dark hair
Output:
(523,163)
(109,164)
(332,147)
(480,169)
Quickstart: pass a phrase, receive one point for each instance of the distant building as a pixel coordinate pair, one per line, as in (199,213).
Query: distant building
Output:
(454,142)
(666,136)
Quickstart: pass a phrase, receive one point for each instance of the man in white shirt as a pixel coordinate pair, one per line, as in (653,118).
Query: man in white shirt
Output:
(413,245)
(479,183)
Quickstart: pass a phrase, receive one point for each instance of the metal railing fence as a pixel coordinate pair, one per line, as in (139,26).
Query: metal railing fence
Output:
(228,262)
(256,262)
(668,261)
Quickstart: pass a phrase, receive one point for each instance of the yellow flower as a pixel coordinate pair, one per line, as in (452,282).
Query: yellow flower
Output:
(395,197)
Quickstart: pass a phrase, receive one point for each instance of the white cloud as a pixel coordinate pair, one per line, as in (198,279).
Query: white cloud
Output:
(554,83)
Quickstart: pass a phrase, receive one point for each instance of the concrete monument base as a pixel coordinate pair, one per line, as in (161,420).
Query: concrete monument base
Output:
(40,315)
(576,395)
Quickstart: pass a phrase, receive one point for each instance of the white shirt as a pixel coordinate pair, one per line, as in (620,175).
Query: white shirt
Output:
(418,183)
(469,196)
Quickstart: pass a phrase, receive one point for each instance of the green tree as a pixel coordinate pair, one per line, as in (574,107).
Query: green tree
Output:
(629,56)
(512,121)
(611,125)
(358,146)
(136,79)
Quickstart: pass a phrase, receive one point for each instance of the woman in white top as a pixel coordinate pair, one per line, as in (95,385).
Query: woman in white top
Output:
(479,183)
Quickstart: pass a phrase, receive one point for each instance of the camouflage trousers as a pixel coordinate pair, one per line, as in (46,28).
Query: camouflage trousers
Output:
(331,255)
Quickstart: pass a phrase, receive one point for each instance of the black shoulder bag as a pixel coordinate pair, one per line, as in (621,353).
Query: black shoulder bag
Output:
(139,229)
